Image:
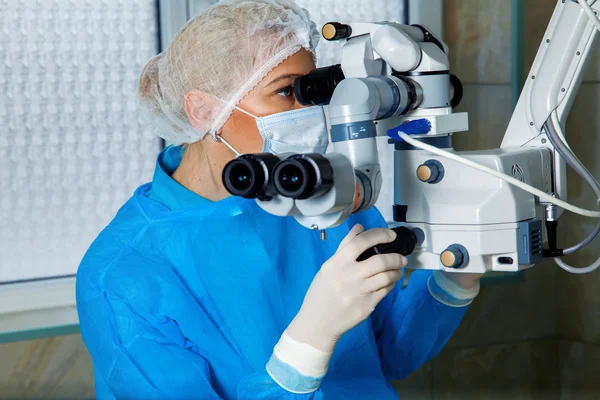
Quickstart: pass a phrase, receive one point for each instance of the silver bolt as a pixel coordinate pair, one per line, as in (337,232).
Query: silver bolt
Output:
(563,90)
(544,141)
(323,235)
(315,227)
(531,123)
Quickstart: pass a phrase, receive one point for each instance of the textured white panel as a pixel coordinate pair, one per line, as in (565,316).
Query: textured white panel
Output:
(328,53)
(71,145)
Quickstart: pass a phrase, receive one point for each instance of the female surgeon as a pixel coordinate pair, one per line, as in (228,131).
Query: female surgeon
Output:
(190,293)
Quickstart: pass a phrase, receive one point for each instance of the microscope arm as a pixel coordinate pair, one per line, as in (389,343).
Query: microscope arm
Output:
(553,83)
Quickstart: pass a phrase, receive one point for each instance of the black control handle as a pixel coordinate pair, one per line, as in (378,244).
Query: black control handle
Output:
(404,244)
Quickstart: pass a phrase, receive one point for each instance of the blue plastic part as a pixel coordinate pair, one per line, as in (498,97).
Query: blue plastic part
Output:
(530,242)
(353,131)
(415,127)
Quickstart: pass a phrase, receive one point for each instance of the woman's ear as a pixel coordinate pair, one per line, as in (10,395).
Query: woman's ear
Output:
(200,109)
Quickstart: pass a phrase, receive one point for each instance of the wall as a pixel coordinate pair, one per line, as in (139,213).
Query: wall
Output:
(539,338)
(51,368)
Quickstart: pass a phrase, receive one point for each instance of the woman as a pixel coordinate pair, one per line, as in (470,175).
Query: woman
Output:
(191,293)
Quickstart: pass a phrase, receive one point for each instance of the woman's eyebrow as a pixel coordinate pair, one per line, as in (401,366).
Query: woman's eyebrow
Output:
(282,78)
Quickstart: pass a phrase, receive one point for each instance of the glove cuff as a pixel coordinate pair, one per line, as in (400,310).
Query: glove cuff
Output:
(297,367)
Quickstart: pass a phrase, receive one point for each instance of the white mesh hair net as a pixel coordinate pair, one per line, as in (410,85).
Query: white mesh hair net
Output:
(225,51)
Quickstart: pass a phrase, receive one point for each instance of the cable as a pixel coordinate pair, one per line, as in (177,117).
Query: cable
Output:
(556,124)
(590,13)
(508,179)
(557,139)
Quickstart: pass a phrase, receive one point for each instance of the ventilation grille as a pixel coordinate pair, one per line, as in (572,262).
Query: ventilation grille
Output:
(536,242)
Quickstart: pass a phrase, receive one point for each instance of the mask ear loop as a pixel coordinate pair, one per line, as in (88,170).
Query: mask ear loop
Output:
(218,138)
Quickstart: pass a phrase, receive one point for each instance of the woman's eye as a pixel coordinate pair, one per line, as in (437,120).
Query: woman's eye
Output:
(287,91)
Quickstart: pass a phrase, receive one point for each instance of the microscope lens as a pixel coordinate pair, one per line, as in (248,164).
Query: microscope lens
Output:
(249,176)
(303,176)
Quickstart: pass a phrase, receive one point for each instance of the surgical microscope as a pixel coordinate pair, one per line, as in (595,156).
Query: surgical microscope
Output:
(473,211)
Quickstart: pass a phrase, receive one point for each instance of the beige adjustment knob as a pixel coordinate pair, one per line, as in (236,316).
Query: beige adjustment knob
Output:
(448,259)
(430,171)
(453,257)
(329,31)
(424,173)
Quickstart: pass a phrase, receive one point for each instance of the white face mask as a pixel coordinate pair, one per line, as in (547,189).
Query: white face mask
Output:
(297,131)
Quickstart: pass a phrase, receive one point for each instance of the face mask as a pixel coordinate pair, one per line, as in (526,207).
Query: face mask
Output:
(297,131)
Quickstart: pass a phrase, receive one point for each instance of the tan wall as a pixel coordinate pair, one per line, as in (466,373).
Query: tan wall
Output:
(52,368)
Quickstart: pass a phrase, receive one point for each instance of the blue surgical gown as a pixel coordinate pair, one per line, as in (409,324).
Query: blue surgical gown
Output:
(184,298)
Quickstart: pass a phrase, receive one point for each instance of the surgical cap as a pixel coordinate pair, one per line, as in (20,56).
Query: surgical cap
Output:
(225,52)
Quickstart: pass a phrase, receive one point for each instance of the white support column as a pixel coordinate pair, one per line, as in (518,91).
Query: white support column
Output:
(173,14)
(197,6)
(429,13)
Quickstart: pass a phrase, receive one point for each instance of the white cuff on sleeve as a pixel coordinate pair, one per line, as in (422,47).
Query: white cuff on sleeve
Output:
(449,293)
(297,367)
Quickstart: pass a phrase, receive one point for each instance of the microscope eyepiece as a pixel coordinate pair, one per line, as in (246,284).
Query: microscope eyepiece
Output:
(303,176)
(317,87)
(249,176)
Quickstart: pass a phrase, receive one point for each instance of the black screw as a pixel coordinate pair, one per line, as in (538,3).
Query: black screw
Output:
(578,53)
(547,40)
(563,90)
(531,123)
(532,76)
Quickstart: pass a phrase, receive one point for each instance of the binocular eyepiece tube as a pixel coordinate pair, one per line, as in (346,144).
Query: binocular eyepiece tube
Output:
(317,87)
(263,176)
(249,176)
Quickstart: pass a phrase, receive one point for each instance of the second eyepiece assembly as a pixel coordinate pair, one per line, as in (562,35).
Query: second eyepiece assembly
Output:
(263,176)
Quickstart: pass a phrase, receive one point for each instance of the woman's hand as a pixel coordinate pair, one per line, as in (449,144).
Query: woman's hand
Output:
(345,292)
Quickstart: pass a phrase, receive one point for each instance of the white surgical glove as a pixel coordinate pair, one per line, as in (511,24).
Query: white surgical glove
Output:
(343,294)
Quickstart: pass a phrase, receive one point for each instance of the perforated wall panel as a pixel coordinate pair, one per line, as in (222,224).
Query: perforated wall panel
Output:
(329,53)
(72,149)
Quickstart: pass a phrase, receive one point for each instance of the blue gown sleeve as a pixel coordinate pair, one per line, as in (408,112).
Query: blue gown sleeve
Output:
(412,326)
(135,359)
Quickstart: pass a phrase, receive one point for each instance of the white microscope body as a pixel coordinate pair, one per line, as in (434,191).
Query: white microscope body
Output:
(466,219)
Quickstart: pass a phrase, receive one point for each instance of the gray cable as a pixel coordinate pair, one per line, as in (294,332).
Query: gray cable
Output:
(572,160)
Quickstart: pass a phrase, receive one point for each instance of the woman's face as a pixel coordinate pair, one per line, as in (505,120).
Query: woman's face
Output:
(274,94)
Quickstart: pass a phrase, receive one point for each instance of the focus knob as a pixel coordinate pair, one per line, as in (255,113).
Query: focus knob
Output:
(455,256)
(431,171)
